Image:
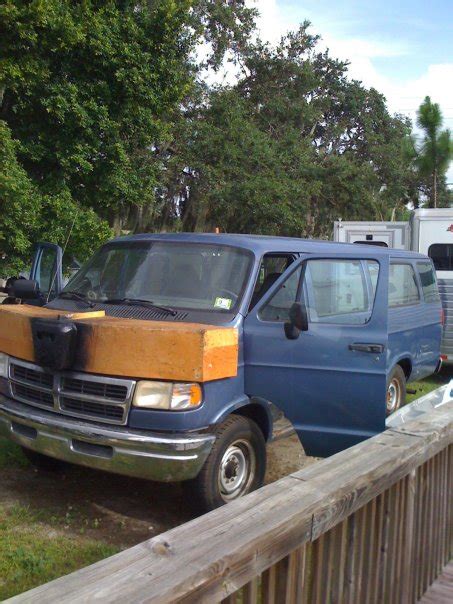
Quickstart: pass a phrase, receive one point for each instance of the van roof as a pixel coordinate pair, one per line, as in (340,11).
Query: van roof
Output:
(260,244)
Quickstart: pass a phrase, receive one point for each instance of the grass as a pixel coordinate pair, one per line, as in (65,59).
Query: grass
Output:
(37,546)
(11,455)
(418,389)
(32,551)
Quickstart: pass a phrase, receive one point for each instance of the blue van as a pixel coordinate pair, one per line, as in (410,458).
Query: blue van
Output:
(328,334)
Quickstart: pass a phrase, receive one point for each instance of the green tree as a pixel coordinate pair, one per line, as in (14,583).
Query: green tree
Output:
(28,216)
(90,91)
(85,89)
(436,149)
(290,147)
(19,207)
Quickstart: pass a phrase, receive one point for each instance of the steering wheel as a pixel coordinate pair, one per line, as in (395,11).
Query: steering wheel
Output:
(86,287)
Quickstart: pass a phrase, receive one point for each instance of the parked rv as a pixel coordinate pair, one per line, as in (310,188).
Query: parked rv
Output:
(169,357)
(429,231)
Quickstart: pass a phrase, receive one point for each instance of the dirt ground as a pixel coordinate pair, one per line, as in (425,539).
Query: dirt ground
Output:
(117,510)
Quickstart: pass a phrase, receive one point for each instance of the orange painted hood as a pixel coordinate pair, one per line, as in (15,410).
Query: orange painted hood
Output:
(133,348)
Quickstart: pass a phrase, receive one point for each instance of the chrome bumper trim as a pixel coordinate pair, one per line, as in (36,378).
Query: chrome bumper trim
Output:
(137,453)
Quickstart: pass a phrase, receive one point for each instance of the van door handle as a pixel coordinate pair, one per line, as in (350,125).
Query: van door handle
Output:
(373,348)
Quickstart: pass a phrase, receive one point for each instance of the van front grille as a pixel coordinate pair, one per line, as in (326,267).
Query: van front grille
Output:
(30,376)
(90,409)
(30,395)
(98,398)
(99,389)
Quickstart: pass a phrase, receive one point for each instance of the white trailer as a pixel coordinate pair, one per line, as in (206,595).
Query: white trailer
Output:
(432,234)
(429,231)
(387,234)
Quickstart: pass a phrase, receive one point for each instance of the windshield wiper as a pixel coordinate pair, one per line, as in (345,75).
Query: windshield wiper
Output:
(139,302)
(76,296)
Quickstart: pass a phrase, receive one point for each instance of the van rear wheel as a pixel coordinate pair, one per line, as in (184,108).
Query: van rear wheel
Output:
(235,465)
(396,390)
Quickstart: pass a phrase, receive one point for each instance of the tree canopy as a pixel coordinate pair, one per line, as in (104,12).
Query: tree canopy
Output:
(290,147)
(435,152)
(109,123)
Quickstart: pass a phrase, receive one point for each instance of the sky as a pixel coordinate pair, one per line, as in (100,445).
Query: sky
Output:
(403,49)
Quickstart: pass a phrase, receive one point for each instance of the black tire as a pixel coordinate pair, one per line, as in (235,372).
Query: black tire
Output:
(43,462)
(239,450)
(396,390)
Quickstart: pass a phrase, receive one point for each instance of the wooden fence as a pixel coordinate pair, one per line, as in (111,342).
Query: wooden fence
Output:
(370,524)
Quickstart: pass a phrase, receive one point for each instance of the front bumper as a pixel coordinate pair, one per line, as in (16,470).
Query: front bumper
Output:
(139,453)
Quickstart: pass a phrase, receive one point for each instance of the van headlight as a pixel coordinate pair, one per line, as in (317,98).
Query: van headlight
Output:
(167,395)
(3,365)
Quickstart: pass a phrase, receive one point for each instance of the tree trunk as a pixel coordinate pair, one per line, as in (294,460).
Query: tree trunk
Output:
(117,224)
(119,220)
(435,187)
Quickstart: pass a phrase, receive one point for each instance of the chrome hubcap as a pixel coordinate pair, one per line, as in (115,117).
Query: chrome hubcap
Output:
(393,396)
(237,470)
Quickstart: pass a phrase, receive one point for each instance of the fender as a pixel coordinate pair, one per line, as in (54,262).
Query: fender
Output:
(402,356)
(268,413)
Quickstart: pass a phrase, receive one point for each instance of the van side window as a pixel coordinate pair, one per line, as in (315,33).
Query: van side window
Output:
(403,288)
(373,273)
(277,308)
(46,270)
(428,281)
(272,266)
(337,291)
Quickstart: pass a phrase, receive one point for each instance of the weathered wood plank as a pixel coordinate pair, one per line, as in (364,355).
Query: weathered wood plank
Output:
(269,582)
(350,488)
(400,542)
(155,349)
(213,556)
(408,541)
(338,560)
(360,553)
(369,571)
(250,592)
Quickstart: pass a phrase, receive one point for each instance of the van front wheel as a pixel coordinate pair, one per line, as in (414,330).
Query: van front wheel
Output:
(396,390)
(235,465)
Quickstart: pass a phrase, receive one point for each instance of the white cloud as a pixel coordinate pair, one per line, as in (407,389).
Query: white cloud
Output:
(273,22)
(404,95)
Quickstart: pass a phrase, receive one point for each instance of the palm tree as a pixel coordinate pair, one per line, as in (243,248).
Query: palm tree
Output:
(436,149)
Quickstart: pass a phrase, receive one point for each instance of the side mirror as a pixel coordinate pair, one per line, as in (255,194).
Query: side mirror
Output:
(26,289)
(298,321)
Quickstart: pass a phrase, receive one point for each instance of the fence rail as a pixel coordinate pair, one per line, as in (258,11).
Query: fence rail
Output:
(370,524)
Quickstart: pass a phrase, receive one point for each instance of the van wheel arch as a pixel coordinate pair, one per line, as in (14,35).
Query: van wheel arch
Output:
(406,366)
(257,414)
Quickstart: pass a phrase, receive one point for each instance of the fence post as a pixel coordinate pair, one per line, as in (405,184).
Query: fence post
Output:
(408,553)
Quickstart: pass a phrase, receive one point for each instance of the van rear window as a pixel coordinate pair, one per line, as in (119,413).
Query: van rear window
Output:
(403,288)
(428,281)
(379,243)
(442,256)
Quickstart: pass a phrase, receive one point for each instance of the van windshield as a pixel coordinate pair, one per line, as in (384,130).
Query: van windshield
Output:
(177,275)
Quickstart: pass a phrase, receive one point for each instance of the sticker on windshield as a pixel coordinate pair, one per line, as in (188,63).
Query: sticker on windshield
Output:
(224,303)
